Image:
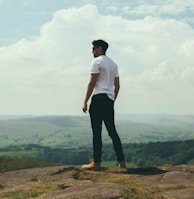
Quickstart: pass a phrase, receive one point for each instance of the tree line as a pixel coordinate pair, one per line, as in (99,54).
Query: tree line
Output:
(137,154)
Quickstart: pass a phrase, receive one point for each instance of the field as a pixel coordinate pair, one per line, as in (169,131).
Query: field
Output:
(75,131)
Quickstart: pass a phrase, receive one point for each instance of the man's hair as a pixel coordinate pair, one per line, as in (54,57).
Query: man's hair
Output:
(102,43)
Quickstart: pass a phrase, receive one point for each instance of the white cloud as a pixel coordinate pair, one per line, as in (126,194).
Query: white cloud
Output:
(112,8)
(49,74)
(159,8)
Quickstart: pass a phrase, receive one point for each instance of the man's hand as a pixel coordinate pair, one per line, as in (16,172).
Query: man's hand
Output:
(84,108)
(90,88)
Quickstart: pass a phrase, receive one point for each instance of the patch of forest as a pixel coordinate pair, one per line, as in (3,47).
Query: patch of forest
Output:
(136,154)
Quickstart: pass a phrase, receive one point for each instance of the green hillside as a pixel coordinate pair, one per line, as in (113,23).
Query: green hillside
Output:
(57,131)
(12,164)
(75,131)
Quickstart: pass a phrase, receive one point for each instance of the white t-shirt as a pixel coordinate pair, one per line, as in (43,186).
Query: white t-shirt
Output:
(107,70)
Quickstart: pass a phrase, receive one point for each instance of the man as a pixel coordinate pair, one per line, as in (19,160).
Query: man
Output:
(104,85)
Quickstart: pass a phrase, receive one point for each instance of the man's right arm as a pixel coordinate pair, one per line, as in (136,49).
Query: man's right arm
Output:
(90,88)
(117,86)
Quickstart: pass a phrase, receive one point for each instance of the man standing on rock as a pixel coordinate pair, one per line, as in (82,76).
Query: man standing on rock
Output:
(104,85)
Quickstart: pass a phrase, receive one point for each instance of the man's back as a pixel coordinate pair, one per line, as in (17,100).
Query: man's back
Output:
(108,71)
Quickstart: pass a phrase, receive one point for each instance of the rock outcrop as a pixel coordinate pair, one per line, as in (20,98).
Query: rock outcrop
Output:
(59,182)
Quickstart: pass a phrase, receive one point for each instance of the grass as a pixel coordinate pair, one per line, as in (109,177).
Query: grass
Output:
(38,189)
(118,176)
(114,164)
(12,164)
(21,153)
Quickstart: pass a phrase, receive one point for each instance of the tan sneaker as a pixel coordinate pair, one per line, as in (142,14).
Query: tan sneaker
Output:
(88,166)
(92,166)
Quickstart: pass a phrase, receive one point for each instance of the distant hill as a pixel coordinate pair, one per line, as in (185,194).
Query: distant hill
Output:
(75,131)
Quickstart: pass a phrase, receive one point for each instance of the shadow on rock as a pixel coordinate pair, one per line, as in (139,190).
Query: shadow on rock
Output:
(145,171)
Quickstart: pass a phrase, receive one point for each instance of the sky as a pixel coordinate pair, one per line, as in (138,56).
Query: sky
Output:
(46,54)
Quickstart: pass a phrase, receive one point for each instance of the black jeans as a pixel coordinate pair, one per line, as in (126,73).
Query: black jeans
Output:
(102,109)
